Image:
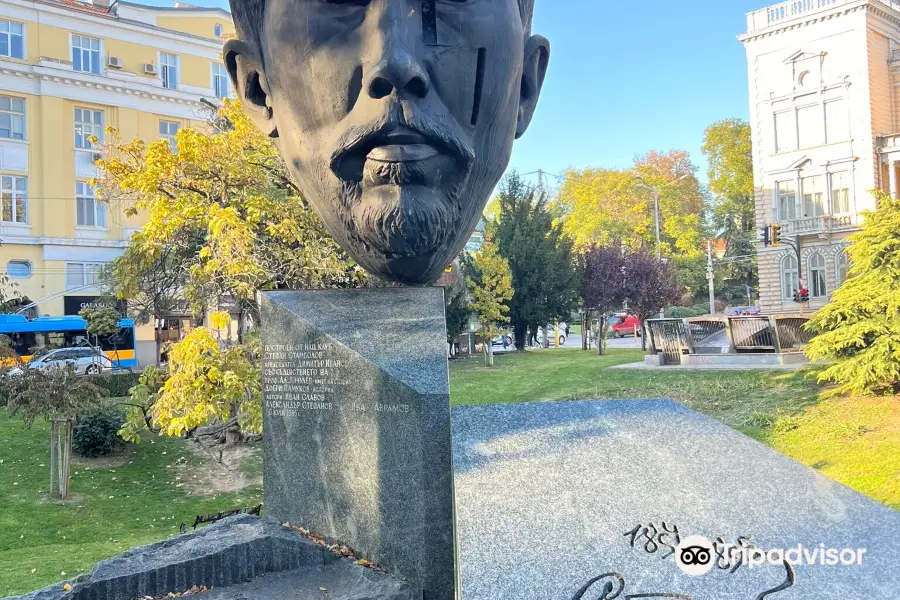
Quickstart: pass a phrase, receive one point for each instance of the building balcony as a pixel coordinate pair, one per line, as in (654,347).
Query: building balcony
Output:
(819,225)
(785,12)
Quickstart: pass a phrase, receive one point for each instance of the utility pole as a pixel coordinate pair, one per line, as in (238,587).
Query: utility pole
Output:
(709,274)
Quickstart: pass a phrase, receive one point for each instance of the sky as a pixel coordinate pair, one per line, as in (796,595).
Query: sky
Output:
(629,77)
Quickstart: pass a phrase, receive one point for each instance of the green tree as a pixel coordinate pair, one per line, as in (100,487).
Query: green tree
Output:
(729,154)
(490,286)
(540,256)
(457,313)
(858,332)
(101,322)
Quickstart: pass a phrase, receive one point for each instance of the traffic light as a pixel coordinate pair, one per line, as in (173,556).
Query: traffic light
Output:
(776,234)
(804,296)
(765,235)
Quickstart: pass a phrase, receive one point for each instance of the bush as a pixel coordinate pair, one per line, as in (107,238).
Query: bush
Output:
(96,431)
(684,312)
(118,385)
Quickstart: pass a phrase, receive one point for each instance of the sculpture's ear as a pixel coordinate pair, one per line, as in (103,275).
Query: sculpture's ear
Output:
(537,56)
(245,69)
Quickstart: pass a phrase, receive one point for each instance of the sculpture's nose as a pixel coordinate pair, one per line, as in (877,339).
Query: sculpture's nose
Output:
(394,66)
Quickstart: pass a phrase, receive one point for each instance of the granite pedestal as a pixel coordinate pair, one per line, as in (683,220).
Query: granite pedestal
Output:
(356,411)
(551,496)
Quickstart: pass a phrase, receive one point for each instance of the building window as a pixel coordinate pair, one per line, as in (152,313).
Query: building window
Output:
(837,122)
(91,212)
(220,80)
(168,130)
(811,189)
(82,274)
(14,191)
(217,30)
(840,193)
(786,200)
(12,118)
(790,277)
(19,269)
(841,268)
(809,126)
(85,54)
(12,39)
(816,265)
(88,123)
(168,70)
(785,139)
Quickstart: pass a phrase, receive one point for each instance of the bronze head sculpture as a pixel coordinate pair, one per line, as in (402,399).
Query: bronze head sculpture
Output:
(396,117)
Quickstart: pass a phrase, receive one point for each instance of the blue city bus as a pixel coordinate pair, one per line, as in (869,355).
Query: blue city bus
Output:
(67,332)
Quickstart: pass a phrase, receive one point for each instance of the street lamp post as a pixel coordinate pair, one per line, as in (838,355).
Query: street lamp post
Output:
(655,212)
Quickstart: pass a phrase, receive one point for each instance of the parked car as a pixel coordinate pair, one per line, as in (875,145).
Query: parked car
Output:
(85,359)
(502,340)
(623,325)
(560,342)
(741,311)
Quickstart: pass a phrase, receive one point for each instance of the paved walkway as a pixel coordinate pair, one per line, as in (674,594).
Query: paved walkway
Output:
(641,365)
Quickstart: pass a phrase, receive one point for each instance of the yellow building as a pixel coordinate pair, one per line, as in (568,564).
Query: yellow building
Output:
(69,69)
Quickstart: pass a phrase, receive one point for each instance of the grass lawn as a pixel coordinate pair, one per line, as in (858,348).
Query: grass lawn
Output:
(141,497)
(855,441)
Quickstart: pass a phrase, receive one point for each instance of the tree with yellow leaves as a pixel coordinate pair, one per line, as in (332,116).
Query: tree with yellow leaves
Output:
(490,285)
(209,381)
(224,218)
(605,205)
(223,221)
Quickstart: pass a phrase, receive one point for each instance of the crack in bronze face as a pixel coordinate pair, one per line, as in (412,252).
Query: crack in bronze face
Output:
(429,22)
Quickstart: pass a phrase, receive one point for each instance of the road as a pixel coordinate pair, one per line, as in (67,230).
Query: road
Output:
(573,342)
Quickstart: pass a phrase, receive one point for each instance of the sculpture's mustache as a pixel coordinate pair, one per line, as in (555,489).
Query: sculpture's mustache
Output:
(349,153)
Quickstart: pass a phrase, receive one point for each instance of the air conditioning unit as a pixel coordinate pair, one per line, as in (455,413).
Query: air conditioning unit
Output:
(150,69)
(115,62)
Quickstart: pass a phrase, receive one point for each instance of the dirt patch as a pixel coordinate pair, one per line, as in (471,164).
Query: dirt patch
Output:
(72,500)
(222,469)
(111,461)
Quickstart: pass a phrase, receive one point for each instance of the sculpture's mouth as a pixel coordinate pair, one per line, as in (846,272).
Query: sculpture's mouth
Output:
(401,147)
(397,155)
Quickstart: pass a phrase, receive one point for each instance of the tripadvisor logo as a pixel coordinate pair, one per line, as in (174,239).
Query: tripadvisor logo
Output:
(694,555)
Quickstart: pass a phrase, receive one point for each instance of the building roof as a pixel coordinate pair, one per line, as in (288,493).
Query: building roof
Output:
(177,7)
(85,6)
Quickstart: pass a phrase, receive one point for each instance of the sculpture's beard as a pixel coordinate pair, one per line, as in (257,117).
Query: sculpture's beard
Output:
(402,219)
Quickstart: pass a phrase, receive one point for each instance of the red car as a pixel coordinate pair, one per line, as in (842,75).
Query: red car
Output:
(624,325)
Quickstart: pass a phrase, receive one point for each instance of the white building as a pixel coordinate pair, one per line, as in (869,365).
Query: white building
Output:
(825,117)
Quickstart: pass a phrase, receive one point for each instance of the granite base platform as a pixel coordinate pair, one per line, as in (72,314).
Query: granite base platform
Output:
(240,558)
(590,500)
